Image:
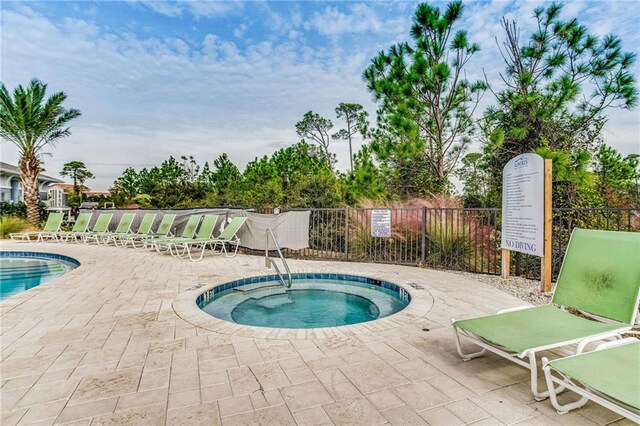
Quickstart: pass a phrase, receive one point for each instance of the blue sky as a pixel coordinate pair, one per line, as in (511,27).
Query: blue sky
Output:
(161,78)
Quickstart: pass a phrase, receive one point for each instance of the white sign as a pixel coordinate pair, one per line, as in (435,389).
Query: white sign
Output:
(381,223)
(523,204)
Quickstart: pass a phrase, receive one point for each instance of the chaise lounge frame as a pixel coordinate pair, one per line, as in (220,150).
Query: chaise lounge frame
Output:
(530,353)
(586,394)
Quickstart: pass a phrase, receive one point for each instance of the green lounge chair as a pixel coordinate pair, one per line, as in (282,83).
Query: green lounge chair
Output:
(101,225)
(188,232)
(143,230)
(50,230)
(600,277)
(163,231)
(228,236)
(124,226)
(609,376)
(81,225)
(183,246)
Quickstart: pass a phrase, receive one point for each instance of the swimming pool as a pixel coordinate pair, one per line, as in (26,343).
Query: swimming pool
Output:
(20,271)
(313,301)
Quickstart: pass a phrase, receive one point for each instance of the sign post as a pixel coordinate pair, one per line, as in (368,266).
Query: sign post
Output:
(506,264)
(381,223)
(545,270)
(526,211)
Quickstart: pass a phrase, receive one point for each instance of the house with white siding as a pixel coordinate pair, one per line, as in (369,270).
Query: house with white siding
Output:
(11,185)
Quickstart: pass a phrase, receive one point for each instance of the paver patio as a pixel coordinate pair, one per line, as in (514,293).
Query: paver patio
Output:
(120,341)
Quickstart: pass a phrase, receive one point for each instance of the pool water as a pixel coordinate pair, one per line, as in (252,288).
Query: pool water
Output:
(309,303)
(18,273)
(303,308)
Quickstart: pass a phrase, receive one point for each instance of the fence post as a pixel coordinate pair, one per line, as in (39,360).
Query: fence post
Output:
(346,233)
(423,254)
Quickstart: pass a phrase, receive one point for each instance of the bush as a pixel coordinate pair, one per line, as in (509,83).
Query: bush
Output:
(454,238)
(19,209)
(11,225)
(13,209)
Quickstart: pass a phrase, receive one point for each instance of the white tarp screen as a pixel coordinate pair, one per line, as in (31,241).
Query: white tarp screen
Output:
(291,229)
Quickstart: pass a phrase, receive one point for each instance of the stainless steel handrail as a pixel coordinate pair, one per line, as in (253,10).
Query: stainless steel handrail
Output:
(268,262)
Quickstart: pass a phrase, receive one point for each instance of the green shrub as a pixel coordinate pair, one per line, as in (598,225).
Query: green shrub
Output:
(449,245)
(11,224)
(19,209)
(13,209)
(453,237)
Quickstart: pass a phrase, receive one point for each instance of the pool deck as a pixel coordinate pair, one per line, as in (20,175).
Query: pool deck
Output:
(120,341)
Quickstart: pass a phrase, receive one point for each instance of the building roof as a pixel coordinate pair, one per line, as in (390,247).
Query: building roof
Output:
(11,169)
(84,188)
(69,186)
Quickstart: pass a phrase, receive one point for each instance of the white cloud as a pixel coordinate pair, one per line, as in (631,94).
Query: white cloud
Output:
(144,98)
(294,34)
(333,22)
(282,23)
(240,30)
(197,8)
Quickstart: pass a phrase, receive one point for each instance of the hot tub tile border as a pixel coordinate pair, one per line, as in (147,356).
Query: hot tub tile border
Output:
(186,305)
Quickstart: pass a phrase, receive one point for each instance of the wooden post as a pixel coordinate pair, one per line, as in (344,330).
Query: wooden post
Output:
(506,263)
(545,273)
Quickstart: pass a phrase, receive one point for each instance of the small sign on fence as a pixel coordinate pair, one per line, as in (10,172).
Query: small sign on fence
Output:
(381,223)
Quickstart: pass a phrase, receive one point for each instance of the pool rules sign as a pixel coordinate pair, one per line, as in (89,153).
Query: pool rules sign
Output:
(381,223)
(523,204)
(526,211)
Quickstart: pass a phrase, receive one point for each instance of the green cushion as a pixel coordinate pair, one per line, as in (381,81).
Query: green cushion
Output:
(192,224)
(206,227)
(614,372)
(82,222)
(125,223)
(232,228)
(532,328)
(601,274)
(165,224)
(53,222)
(146,224)
(102,223)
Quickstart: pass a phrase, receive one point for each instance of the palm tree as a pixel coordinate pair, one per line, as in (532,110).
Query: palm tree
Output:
(31,123)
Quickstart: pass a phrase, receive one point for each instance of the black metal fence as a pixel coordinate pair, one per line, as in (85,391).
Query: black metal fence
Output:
(445,238)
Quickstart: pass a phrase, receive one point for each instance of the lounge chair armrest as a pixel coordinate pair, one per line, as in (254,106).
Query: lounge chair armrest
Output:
(517,308)
(584,342)
(615,343)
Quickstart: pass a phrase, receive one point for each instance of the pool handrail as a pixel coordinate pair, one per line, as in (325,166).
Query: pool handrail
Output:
(268,262)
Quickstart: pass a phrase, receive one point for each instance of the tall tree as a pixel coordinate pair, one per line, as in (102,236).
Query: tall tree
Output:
(572,178)
(424,95)
(473,178)
(366,180)
(355,118)
(31,122)
(127,185)
(618,177)
(226,178)
(77,171)
(557,86)
(316,128)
